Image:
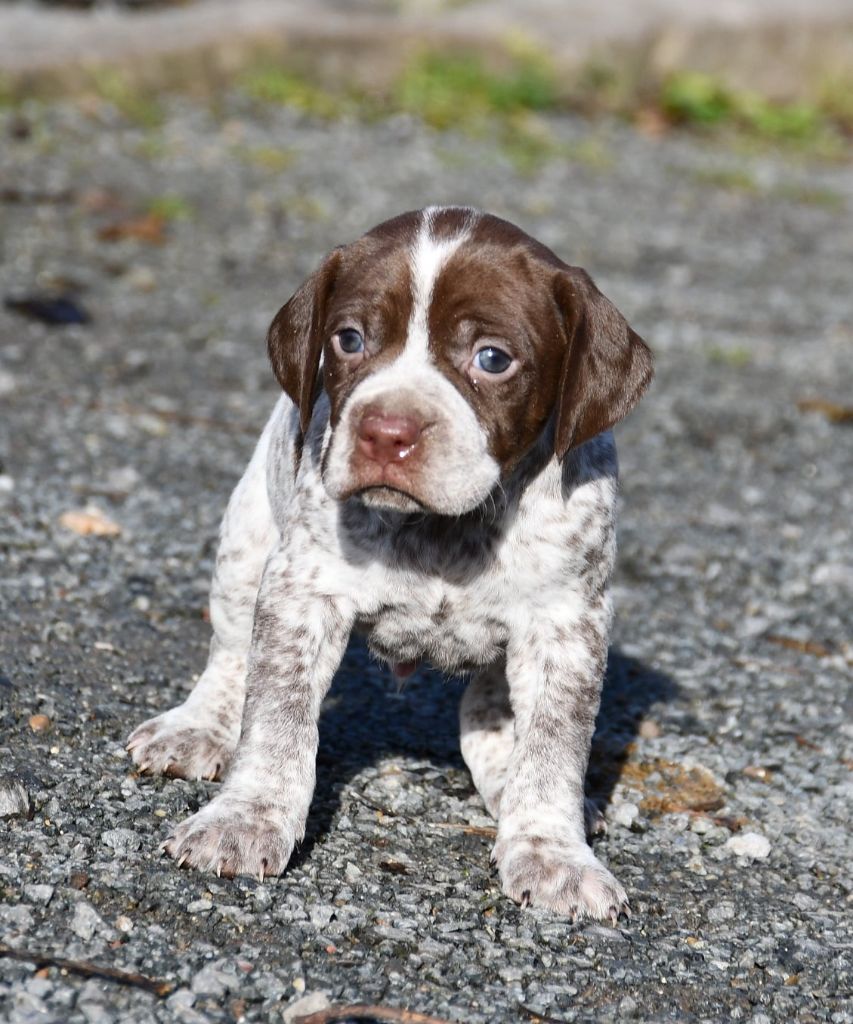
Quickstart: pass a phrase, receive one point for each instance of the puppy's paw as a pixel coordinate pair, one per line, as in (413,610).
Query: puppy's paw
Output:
(181,744)
(233,837)
(565,878)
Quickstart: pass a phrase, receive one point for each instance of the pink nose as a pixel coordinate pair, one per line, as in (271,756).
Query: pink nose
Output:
(386,438)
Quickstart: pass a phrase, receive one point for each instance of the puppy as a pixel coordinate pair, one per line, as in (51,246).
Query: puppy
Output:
(439,475)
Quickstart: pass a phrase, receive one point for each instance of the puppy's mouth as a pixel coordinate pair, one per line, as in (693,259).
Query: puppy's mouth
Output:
(382,496)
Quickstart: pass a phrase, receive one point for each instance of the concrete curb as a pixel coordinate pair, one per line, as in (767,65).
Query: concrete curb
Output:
(785,50)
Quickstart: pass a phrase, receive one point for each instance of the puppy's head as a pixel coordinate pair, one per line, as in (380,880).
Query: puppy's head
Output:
(449,340)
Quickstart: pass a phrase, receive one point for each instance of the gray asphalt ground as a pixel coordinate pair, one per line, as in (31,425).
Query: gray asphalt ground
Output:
(724,745)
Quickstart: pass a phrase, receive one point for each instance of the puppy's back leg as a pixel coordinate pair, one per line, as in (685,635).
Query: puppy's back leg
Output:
(487,733)
(487,738)
(196,739)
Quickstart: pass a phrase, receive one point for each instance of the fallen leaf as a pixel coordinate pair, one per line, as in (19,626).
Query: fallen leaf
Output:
(89,522)
(651,123)
(670,788)
(834,412)
(149,228)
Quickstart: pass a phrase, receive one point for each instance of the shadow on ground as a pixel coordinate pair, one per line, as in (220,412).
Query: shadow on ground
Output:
(369,717)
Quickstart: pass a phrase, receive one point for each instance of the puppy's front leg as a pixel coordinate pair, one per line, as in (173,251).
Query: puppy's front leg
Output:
(554,671)
(298,641)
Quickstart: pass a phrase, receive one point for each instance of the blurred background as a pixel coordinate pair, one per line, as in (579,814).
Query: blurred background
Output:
(169,174)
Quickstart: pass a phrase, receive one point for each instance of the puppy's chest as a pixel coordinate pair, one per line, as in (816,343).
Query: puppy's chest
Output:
(421,618)
(431,592)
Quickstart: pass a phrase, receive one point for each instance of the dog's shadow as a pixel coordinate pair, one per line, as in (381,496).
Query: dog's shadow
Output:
(368,717)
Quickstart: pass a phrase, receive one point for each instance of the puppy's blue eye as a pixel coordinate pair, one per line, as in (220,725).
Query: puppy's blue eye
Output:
(492,360)
(350,340)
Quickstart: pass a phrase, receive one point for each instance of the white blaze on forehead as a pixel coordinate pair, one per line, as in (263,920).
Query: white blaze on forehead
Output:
(456,471)
(428,255)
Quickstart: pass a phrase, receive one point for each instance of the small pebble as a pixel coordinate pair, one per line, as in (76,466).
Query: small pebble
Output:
(749,844)
(39,893)
(311,1002)
(86,923)
(624,814)
(122,840)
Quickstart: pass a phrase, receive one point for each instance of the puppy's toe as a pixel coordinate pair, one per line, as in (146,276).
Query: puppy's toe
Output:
(176,744)
(565,878)
(231,838)
(594,820)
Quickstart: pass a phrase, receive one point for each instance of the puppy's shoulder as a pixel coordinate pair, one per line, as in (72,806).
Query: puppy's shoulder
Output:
(282,443)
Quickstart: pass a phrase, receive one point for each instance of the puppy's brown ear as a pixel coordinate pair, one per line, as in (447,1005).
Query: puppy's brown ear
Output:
(295,338)
(606,368)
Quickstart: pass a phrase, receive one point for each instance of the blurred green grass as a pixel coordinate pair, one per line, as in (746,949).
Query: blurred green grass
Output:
(509,95)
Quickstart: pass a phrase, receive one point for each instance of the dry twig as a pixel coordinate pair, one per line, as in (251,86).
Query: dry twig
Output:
(379,1014)
(87,969)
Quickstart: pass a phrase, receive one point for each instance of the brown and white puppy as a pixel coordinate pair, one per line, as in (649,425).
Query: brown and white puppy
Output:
(439,475)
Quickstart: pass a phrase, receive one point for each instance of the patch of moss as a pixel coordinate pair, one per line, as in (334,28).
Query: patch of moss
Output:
(737,179)
(810,196)
(270,83)
(169,208)
(697,99)
(270,158)
(590,152)
(835,98)
(304,207)
(152,147)
(736,356)
(528,142)
(460,90)
(138,104)
(7,93)
(732,179)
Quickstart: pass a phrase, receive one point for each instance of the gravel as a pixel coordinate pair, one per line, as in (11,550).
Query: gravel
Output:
(724,744)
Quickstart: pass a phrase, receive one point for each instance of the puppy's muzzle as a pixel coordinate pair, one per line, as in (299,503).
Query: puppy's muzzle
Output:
(387,439)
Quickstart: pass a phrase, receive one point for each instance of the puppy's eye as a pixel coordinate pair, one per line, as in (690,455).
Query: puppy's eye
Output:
(492,360)
(350,341)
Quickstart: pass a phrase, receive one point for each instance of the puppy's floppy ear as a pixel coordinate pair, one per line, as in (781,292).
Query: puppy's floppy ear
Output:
(295,338)
(606,367)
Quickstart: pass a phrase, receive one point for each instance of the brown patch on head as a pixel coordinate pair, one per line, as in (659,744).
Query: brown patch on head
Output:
(366,285)
(577,358)
(496,287)
(373,293)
